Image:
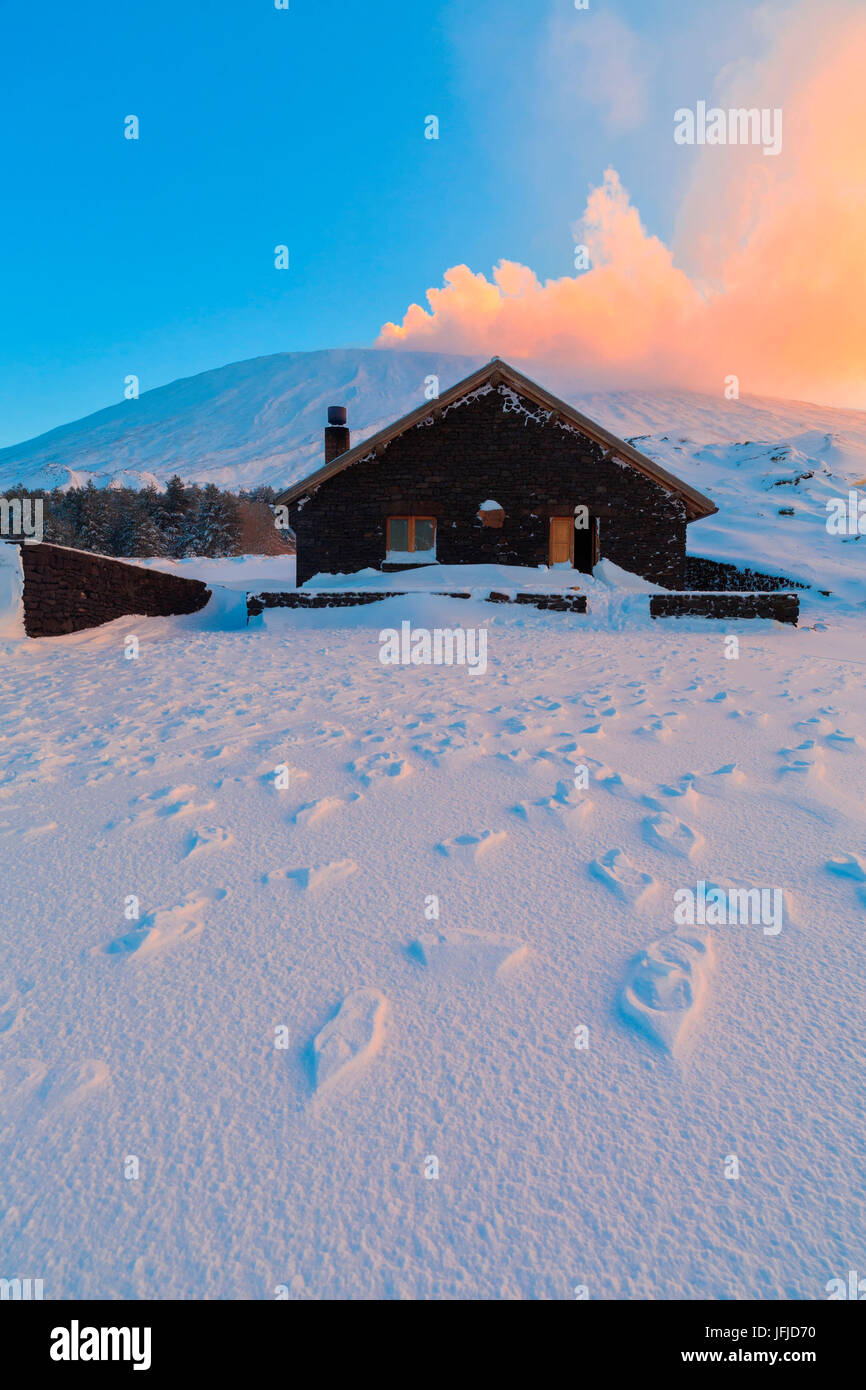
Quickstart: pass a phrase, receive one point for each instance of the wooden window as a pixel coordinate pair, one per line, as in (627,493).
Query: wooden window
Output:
(411,533)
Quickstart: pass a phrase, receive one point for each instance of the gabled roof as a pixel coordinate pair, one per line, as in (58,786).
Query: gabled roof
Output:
(497,373)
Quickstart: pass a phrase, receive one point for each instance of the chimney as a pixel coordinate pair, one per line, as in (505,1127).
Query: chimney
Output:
(336,433)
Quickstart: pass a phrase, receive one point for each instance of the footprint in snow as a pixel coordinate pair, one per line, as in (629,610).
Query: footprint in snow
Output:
(446,742)
(666,985)
(267,779)
(683,790)
(11,1007)
(815,724)
(205,838)
(608,712)
(426,716)
(313,811)
(755,718)
(845,743)
(617,783)
(374,766)
(351,1038)
(473,848)
(851,866)
(731,772)
(664,831)
(328,734)
(315,877)
(546,755)
(514,726)
(163,804)
(30,1085)
(806,760)
(622,877)
(37,831)
(69,1083)
(454,952)
(166,927)
(567,805)
(660,730)
(514,756)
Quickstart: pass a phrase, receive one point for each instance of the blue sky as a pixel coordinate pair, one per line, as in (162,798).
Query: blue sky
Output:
(304,127)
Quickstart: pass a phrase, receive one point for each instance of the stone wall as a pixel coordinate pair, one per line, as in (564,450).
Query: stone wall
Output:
(493,446)
(785,608)
(715,574)
(348,598)
(69,590)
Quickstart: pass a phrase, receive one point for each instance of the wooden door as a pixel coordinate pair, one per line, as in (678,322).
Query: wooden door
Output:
(561,540)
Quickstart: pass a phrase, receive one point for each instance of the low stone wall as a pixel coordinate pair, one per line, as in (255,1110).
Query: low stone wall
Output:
(555,603)
(715,575)
(257,603)
(289,598)
(785,608)
(68,590)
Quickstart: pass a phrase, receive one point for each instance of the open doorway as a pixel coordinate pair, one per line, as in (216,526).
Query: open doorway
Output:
(577,547)
(586,546)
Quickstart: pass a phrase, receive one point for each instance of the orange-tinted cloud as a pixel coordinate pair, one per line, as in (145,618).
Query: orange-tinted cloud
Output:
(775,290)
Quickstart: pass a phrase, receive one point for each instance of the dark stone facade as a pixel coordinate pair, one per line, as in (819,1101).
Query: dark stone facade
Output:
(497,446)
(69,590)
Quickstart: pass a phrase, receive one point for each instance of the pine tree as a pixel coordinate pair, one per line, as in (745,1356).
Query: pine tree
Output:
(94,530)
(216,526)
(172,516)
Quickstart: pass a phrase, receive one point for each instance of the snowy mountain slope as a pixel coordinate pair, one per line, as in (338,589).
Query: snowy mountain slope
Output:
(772,499)
(252,422)
(261,421)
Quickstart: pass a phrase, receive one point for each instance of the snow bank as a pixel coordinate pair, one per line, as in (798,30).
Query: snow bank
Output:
(432,578)
(11,593)
(616,578)
(236,571)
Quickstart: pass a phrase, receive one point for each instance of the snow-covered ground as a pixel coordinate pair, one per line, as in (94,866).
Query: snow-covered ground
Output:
(286,1046)
(241,572)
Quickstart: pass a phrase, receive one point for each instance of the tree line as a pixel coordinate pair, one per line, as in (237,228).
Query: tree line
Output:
(184,519)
